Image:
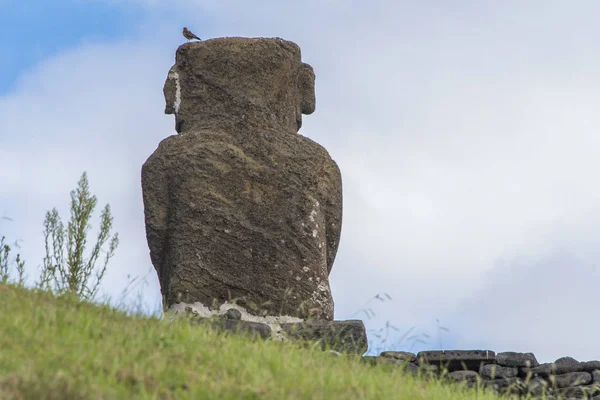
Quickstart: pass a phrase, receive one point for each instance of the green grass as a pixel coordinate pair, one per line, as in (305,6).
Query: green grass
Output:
(62,348)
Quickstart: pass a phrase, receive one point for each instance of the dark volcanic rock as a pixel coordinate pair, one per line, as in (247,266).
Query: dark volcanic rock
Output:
(256,329)
(345,336)
(589,366)
(510,385)
(239,206)
(512,359)
(561,366)
(470,376)
(537,386)
(563,379)
(493,371)
(456,360)
(232,313)
(565,365)
(579,392)
(400,355)
(571,379)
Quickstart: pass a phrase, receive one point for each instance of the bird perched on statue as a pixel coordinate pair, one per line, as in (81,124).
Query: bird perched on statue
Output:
(189,35)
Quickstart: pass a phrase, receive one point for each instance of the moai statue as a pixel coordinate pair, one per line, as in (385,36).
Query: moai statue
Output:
(238,205)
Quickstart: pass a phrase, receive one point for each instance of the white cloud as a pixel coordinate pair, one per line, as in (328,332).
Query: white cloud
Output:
(465,137)
(93,108)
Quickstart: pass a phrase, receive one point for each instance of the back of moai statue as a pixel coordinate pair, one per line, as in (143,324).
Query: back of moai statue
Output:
(238,205)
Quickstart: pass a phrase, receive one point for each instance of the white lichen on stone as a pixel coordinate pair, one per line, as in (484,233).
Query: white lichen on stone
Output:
(173,74)
(317,296)
(315,232)
(323,286)
(201,310)
(312,215)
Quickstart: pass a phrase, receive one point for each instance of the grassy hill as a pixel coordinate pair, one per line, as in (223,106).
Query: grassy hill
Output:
(62,348)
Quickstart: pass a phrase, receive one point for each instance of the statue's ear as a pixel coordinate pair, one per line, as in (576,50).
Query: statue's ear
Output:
(306,86)
(170,90)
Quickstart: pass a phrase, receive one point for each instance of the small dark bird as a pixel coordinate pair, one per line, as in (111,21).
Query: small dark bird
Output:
(189,35)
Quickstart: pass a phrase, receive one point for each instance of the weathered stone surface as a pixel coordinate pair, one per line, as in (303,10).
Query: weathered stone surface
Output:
(509,385)
(578,392)
(235,82)
(232,313)
(590,366)
(463,376)
(412,369)
(430,368)
(537,386)
(493,371)
(239,206)
(456,360)
(346,336)
(570,379)
(543,370)
(375,360)
(400,355)
(569,385)
(513,359)
(561,366)
(237,326)
(565,365)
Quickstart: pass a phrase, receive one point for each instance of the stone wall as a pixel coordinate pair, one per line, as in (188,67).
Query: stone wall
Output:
(518,374)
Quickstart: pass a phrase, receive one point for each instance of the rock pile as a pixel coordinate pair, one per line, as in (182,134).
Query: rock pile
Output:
(511,373)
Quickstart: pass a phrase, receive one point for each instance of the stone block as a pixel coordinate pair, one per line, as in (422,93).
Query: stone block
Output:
(456,360)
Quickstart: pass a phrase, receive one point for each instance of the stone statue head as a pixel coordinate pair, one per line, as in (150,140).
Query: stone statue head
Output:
(244,82)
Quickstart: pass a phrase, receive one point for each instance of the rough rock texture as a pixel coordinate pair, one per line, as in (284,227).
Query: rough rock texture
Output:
(493,371)
(455,360)
(345,336)
(400,355)
(566,378)
(348,337)
(239,206)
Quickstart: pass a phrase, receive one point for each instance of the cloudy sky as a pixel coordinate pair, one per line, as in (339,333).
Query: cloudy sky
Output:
(467,136)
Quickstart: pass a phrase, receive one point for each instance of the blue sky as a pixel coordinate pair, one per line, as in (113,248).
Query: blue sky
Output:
(35,30)
(466,136)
